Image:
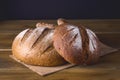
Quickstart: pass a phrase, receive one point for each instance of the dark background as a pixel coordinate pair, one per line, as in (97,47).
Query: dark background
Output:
(53,9)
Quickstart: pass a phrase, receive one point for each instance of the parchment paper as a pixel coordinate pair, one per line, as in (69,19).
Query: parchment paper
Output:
(48,70)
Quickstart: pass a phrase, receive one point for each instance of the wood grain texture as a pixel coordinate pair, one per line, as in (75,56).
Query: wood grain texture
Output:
(108,67)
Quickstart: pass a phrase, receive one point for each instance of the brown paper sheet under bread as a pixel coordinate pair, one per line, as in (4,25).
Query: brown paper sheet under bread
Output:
(48,70)
(41,70)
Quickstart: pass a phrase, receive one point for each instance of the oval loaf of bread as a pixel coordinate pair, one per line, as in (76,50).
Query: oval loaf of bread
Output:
(35,46)
(76,44)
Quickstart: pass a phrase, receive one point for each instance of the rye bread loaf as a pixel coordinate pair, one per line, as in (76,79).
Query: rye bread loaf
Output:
(76,44)
(35,46)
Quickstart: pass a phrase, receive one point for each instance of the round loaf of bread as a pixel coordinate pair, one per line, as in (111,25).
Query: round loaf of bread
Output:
(76,44)
(35,46)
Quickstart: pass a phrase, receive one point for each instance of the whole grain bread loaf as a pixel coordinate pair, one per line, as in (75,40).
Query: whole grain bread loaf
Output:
(76,44)
(35,46)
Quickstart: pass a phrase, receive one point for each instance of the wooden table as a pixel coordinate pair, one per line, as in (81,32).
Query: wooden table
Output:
(108,67)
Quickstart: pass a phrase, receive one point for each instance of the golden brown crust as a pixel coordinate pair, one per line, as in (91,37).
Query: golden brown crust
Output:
(76,45)
(42,24)
(35,47)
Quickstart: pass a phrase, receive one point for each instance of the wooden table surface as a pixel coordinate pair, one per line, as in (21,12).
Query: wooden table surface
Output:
(108,67)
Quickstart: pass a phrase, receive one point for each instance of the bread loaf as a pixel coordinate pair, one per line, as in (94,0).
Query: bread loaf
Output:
(35,46)
(47,45)
(76,44)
